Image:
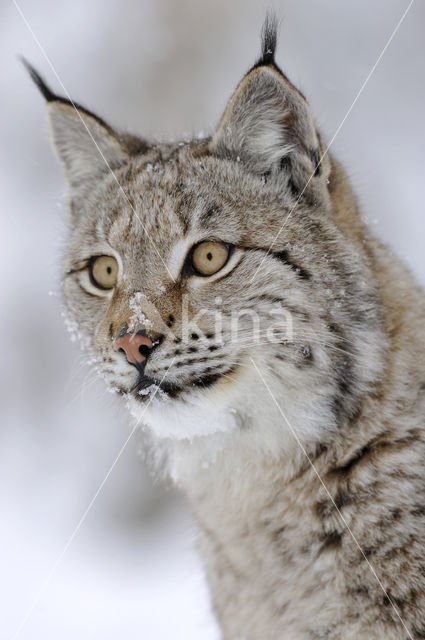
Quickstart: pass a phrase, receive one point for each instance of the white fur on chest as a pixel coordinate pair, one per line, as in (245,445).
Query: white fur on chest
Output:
(235,422)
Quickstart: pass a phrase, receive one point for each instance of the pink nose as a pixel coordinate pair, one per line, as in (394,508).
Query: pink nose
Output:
(135,346)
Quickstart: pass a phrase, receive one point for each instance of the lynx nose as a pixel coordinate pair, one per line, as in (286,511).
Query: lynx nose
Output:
(136,346)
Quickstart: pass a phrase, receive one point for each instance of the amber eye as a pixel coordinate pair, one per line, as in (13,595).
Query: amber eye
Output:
(209,257)
(103,271)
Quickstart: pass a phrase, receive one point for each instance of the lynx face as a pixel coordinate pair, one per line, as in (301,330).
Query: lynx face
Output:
(187,263)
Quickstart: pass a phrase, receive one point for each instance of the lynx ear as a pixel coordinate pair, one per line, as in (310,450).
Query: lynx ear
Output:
(87,147)
(267,124)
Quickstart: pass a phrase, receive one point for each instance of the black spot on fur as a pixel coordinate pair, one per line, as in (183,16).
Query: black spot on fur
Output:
(327,508)
(206,380)
(390,600)
(359,591)
(324,509)
(358,457)
(283,256)
(343,498)
(331,541)
(375,446)
(369,551)
(197,361)
(315,156)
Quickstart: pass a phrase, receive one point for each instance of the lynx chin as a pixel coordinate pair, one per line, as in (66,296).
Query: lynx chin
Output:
(228,290)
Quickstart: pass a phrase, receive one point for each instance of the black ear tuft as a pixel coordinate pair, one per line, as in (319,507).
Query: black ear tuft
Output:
(268,40)
(39,82)
(49,96)
(268,44)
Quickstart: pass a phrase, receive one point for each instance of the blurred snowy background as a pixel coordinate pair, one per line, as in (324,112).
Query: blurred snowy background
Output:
(164,68)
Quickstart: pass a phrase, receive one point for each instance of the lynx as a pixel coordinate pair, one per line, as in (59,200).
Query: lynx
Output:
(228,290)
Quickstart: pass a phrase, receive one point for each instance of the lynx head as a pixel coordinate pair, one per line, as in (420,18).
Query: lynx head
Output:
(196,272)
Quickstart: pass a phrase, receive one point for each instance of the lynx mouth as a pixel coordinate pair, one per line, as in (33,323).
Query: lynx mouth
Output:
(146,383)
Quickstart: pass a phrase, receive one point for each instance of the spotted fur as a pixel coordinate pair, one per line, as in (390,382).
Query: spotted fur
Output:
(253,432)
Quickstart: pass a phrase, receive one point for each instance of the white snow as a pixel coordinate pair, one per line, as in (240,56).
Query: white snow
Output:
(138,317)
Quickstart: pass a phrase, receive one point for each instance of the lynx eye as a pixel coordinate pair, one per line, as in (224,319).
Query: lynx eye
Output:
(209,257)
(103,271)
